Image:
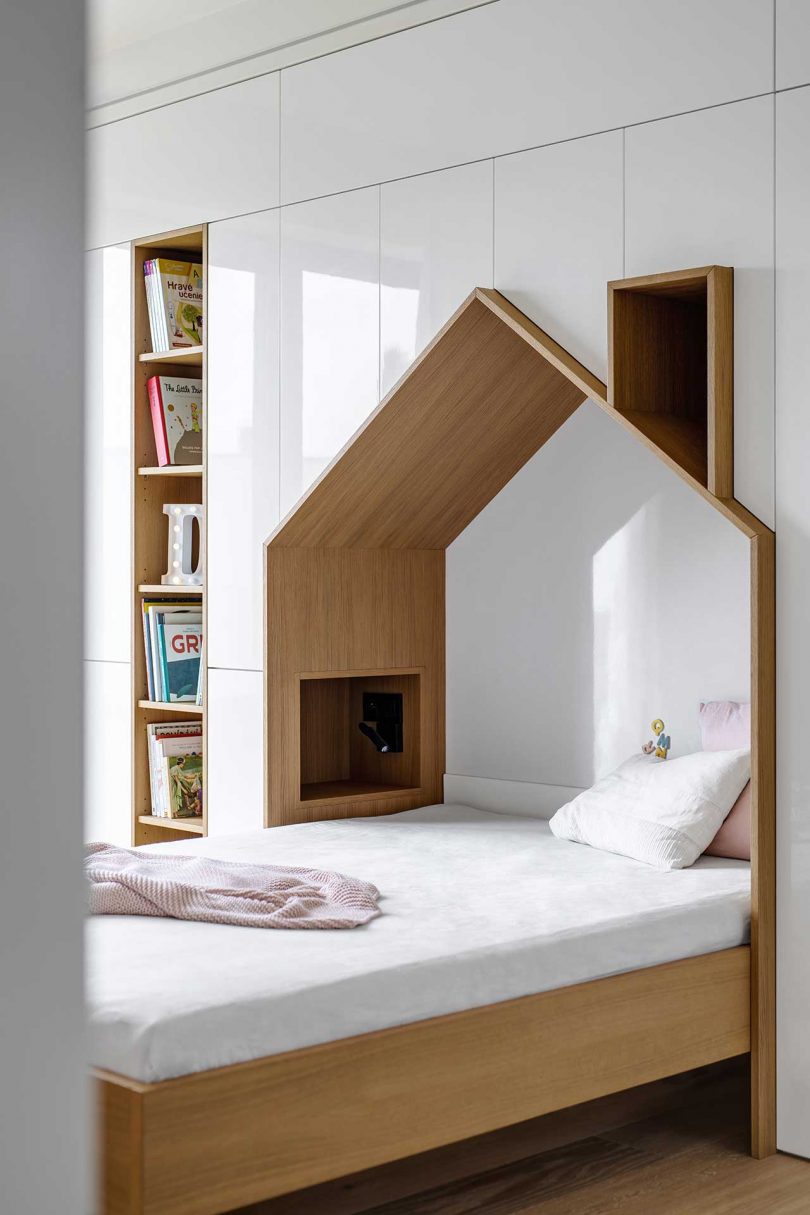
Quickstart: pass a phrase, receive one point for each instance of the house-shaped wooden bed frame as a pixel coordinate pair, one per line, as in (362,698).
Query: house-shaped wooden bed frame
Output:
(355,602)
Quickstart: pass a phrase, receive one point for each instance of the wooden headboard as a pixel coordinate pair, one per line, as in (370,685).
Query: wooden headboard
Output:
(355,573)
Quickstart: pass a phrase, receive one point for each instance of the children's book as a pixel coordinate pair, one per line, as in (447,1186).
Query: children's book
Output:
(168,738)
(177,419)
(181,650)
(184,775)
(154,614)
(179,289)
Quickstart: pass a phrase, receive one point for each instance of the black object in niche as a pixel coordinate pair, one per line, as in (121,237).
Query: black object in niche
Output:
(384,709)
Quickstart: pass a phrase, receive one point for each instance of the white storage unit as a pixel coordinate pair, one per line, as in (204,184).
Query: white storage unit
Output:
(235,751)
(107,752)
(559,240)
(243,432)
(435,246)
(202,159)
(509,76)
(330,317)
(107,447)
(700,190)
(792,599)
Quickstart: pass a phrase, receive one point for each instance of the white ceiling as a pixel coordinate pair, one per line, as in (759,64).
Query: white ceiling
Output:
(143,53)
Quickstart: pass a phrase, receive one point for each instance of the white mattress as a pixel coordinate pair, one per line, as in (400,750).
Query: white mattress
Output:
(477,907)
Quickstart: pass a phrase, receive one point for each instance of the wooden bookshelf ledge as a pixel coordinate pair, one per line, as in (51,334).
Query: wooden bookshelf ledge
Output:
(157,588)
(172,470)
(186,354)
(192,826)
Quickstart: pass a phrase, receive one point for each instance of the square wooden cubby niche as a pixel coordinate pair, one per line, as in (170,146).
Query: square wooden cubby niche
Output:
(671,367)
(336,759)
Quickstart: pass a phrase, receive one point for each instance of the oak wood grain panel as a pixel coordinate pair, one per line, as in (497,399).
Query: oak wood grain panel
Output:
(119,1126)
(683,439)
(671,355)
(469,413)
(243,1133)
(658,362)
(357,791)
(325,714)
(714,1096)
(343,612)
(763,845)
(720,372)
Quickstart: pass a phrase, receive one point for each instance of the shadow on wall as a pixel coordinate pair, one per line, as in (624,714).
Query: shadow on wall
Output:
(595,593)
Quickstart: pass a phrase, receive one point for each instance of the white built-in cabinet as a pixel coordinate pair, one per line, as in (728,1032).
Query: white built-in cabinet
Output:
(792,57)
(107,442)
(330,328)
(235,751)
(558,238)
(435,246)
(793,633)
(107,552)
(199,160)
(243,431)
(107,752)
(243,505)
(699,189)
(508,76)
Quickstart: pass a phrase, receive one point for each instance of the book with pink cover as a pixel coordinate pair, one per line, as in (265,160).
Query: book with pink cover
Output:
(177,419)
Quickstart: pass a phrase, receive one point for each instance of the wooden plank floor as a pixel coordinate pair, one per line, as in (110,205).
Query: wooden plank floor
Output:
(678,1147)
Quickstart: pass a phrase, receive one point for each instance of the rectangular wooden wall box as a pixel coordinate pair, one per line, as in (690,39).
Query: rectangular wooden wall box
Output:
(671,367)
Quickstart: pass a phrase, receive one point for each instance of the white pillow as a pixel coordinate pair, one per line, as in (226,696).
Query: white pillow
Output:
(663,812)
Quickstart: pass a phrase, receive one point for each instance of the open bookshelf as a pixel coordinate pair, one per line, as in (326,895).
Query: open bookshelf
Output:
(152,486)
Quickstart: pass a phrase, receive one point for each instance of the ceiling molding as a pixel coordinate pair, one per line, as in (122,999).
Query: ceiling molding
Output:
(393,20)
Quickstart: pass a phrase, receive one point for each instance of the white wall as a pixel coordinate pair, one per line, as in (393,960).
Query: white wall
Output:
(43,1107)
(595,593)
(793,611)
(561,144)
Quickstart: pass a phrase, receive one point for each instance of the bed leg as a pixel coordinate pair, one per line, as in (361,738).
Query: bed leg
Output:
(119,1111)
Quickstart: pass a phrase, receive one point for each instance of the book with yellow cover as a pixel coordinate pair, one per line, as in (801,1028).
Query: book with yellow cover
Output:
(175,297)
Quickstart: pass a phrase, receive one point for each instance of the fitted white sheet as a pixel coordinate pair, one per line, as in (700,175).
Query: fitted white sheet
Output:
(477,908)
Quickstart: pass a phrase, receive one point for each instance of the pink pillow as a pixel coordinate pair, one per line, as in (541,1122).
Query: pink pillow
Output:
(725,725)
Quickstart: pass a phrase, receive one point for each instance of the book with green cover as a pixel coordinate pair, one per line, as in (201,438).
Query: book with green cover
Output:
(185,785)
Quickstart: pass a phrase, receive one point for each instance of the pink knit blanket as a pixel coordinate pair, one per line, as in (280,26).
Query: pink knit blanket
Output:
(126,881)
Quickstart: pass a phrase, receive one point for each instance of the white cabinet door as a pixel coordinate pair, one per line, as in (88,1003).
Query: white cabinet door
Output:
(508,76)
(107,437)
(792,613)
(235,751)
(792,43)
(436,246)
(699,190)
(243,427)
(330,284)
(107,752)
(202,159)
(558,239)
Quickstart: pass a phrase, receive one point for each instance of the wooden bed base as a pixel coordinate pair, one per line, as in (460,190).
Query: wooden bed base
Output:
(211,1142)
(355,592)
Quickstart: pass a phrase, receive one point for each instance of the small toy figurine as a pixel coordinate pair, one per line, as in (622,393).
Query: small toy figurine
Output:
(662,742)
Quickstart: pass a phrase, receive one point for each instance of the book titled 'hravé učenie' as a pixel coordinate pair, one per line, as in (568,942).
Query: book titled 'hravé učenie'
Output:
(177,419)
(174,300)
